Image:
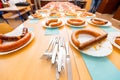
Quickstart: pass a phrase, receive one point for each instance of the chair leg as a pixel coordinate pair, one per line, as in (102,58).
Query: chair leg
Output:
(5,20)
(20,16)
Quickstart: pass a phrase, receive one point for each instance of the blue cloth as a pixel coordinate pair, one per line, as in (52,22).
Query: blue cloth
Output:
(76,28)
(101,68)
(41,12)
(108,29)
(30,29)
(51,31)
(54,17)
(70,16)
(33,21)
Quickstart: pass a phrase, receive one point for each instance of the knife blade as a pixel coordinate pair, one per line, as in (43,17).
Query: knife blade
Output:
(57,74)
(69,68)
(55,51)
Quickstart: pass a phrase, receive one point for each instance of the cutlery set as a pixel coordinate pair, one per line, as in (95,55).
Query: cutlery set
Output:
(57,52)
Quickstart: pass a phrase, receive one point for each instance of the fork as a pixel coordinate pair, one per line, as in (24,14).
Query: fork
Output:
(48,51)
(55,50)
(60,61)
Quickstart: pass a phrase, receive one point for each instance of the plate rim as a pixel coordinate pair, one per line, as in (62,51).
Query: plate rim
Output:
(32,18)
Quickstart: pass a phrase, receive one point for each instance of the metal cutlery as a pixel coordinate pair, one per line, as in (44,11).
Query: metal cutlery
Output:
(48,51)
(55,50)
(58,52)
(69,68)
(61,54)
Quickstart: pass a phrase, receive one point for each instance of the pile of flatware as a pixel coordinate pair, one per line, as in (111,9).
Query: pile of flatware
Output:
(57,52)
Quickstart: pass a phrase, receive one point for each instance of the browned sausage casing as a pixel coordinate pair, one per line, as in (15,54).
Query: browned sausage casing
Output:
(117,40)
(16,44)
(14,38)
(99,22)
(53,22)
(75,41)
(76,22)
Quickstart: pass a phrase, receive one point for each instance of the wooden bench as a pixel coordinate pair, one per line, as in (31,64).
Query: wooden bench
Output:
(11,15)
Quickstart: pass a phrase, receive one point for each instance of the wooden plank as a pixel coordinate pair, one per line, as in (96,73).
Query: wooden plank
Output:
(14,15)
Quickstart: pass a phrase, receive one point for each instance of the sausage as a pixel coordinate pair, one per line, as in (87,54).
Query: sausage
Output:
(1,41)
(75,34)
(36,15)
(70,14)
(16,44)
(14,38)
(98,21)
(76,22)
(117,40)
(55,14)
(53,22)
(24,32)
(84,14)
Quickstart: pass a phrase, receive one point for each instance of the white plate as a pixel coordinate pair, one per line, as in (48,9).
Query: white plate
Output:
(76,26)
(31,17)
(7,52)
(108,24)
(87,16)
(112,37)
(44,24)
(91,16)
(100,49)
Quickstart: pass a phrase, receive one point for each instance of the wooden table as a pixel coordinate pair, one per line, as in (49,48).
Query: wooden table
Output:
(27,64)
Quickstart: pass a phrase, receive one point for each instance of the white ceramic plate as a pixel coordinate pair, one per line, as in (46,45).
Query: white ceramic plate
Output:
(31,17)
(76,26)
(91,16)
(108,24)
(88,17)
(32,36)
(44,24)
(100,49)
(112,37)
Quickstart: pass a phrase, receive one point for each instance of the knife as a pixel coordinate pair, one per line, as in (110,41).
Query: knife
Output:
(55,50)
(69,68)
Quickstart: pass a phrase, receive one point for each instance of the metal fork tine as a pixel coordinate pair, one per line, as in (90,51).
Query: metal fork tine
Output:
(49,48)
(51,40)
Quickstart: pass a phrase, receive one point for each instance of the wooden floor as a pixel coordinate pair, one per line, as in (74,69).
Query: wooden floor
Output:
(115,23)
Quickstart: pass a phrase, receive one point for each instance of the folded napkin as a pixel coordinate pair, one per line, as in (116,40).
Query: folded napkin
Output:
(70,16)
(41,12)
(54,17)
(108,29)
(101,68)
(51,31)
(76,28)
(31,29)
(32,21)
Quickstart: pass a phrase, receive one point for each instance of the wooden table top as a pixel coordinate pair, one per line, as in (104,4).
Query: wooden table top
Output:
(27,64)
